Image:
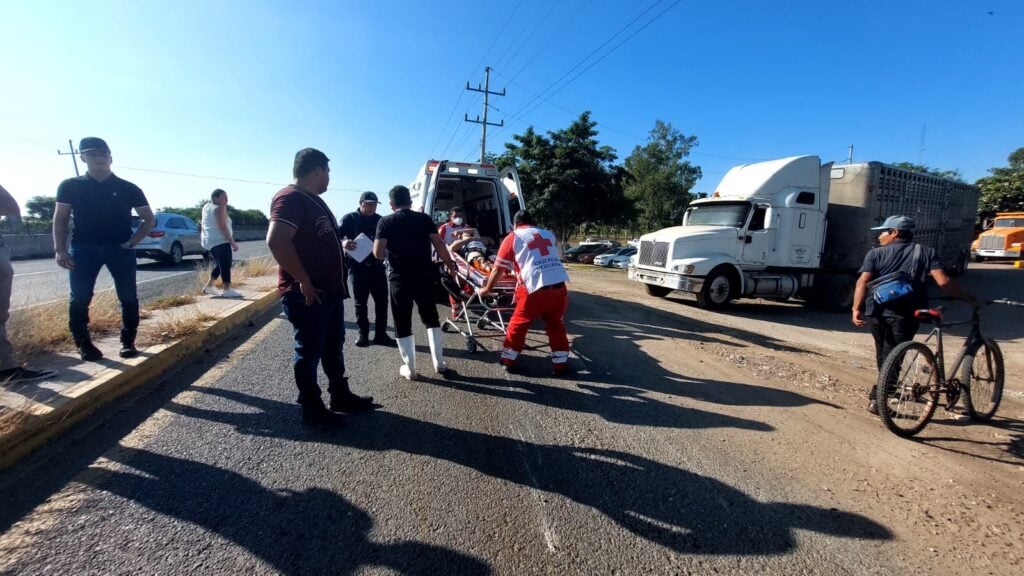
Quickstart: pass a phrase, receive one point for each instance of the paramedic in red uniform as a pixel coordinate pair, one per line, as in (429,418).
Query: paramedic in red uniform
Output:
(532,253)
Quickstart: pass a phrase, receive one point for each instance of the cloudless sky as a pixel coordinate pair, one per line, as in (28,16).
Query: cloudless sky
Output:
(232,89)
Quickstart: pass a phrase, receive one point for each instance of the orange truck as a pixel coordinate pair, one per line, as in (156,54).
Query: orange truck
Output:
(1003,241)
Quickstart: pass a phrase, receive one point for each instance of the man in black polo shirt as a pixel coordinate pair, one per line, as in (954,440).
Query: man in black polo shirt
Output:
(101,204)
(304,239)
(894,323)
(405,238)
(368,276)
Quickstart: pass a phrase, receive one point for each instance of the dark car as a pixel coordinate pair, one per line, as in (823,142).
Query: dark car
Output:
(588,258)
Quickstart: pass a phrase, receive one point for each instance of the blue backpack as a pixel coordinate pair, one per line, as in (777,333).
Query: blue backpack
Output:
(896,286)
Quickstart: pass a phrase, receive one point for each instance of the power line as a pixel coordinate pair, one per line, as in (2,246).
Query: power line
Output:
(221,178)
(550,38)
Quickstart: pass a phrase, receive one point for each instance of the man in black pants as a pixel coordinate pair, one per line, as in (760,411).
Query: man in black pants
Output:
(368,277)
(405,239)
(101,204)
(894,323)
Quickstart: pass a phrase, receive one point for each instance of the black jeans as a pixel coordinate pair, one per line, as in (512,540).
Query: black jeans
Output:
(319,335)
(405,293)
(89,259)
(221,254)
(370,281)
(889,332)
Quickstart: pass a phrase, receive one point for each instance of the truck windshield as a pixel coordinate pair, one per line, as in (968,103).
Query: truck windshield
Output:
(720,214)
(1010,223)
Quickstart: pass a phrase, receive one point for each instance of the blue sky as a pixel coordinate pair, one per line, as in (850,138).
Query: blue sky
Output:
(232,89)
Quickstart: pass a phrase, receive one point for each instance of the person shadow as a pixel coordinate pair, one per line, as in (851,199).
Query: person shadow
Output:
(312,531)
(681,510)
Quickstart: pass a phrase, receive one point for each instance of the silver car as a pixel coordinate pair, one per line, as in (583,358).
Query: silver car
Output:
(172,238)
(607,258)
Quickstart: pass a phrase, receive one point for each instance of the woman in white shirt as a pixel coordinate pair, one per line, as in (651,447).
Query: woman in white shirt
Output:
(218,237)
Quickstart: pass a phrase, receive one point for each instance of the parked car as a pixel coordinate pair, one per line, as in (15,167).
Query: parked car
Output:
(573,254)
(607,258)
(588,258)
(172,238)
(623,262)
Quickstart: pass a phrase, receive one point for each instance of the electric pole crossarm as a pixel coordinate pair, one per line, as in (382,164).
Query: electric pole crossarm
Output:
(486,91)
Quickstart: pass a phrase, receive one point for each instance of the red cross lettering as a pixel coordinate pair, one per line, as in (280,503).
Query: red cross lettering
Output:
(540,243)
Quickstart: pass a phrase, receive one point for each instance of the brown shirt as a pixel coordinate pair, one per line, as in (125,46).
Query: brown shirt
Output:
(317,241)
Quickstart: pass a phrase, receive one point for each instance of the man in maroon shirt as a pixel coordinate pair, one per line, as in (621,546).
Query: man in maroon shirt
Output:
(306,243)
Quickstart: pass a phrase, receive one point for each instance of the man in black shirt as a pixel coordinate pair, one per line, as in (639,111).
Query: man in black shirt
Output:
(368,276)
(405,238)
(101,204)
(894,323)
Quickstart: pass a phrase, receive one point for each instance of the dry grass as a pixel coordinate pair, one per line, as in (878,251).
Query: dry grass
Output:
(174,325)
(171,302)
(43,329)
(252,268)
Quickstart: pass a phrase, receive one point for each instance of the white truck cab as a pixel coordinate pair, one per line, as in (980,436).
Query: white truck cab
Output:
(488,195)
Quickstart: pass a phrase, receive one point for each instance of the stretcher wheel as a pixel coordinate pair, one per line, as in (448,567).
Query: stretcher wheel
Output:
(446,327)
(471,346)
(482,323)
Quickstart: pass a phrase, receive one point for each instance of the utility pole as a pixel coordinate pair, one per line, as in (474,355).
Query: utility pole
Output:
(487,92)
(849,160)
(72,154)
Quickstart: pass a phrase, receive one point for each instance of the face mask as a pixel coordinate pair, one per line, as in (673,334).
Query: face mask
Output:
(457,221)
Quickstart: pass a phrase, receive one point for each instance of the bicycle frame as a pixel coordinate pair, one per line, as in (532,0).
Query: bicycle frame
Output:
(974,341)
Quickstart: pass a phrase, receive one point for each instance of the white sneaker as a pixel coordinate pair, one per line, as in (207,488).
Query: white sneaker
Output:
(231,293)
(211,291)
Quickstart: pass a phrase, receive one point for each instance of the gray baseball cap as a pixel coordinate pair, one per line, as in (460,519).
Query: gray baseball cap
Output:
(897,223)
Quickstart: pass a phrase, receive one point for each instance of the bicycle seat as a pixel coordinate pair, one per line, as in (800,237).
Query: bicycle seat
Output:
(929,314)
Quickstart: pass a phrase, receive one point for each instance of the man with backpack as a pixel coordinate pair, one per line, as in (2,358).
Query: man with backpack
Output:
(892,285)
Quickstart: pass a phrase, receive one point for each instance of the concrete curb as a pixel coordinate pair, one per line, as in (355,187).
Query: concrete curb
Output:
(86,397)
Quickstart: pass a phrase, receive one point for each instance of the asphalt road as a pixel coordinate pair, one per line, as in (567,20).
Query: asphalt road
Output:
(42,281)
(623,469)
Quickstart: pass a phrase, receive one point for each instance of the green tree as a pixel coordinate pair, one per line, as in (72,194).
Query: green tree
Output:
(1003,191)
(238,217)
(41,207)
(948,174)
(659,179)
(568,177)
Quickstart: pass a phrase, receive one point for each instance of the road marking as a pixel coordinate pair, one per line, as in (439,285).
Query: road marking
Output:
(37,273)
(103,290)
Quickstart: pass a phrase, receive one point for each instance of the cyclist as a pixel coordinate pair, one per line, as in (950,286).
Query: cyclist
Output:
(893,322)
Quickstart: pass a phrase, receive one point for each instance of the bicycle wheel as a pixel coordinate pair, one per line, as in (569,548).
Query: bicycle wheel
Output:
(907,392)
(982,374)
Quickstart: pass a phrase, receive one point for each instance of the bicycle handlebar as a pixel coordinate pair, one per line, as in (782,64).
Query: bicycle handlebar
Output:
(1006,302)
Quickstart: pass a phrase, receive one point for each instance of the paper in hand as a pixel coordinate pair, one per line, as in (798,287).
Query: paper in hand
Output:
(364,246)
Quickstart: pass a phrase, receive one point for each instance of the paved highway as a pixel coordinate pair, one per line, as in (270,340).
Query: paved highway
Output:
(42,281)
(628,468)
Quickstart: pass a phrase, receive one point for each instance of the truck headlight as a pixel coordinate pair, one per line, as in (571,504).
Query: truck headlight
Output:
(1015,245)
(683,268)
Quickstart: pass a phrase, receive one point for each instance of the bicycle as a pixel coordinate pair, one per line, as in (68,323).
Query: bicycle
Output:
(913,378)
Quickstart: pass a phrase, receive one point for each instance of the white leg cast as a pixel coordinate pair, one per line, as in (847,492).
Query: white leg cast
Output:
(434,336)
(407,348)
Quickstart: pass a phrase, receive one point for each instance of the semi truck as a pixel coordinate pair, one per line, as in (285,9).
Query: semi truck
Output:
(797,228)
(1003,241)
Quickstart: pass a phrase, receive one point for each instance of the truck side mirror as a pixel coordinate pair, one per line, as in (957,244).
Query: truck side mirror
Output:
(769,218)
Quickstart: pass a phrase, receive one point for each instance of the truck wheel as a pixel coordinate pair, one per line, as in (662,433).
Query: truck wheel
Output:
(834,292)
(979,258)
(659,291)
(719,289)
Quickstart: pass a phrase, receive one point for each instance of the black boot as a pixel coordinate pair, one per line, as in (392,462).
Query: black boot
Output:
(382,339)
(363,341)
(315,415)
(128,350)
(343,400)
(88,351)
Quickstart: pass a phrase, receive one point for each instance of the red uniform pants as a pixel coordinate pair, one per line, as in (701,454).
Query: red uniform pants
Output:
(549,304)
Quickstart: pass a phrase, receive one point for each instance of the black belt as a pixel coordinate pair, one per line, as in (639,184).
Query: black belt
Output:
(553,286)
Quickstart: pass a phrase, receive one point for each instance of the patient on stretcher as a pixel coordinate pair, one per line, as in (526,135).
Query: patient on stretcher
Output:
(476,251)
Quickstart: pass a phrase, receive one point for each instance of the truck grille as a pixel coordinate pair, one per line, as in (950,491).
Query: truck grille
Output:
(653,253)
(992,242)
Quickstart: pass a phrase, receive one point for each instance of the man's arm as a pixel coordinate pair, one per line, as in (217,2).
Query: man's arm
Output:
(279,240)
(61,219)
(859,294)
(380,248)
(442,252)
(148,221)
(951,287)
(8,205)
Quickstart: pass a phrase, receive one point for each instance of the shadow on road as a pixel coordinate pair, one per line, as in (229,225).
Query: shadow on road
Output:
(314,531)
(678,509)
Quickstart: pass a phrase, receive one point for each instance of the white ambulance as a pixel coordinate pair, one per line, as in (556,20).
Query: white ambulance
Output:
(488,195)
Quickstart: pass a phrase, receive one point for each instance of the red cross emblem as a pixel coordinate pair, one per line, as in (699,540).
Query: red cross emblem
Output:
(540,243)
